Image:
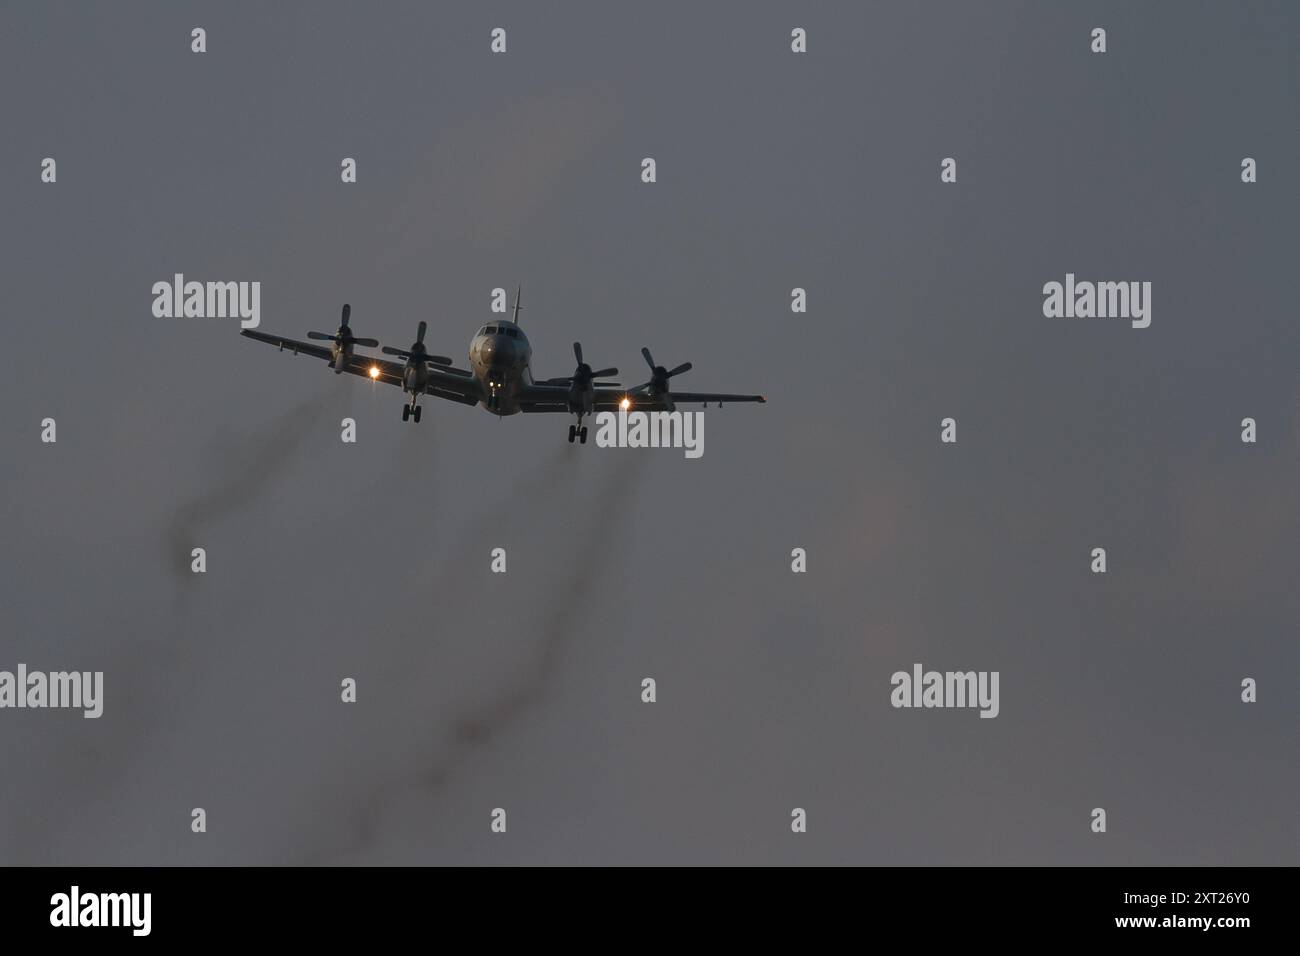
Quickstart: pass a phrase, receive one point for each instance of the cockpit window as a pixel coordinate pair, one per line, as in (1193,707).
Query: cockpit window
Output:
(512,333)
(489,330)
(483,331)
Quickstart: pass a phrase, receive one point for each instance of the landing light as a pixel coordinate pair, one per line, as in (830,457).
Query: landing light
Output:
(625,404)
(374,371)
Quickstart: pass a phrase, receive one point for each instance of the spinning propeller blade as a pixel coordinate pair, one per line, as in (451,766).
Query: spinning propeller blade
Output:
(659,375)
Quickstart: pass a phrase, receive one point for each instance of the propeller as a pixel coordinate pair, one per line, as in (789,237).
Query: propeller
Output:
(659,375)
(417,352)
(583,376)
(344,337)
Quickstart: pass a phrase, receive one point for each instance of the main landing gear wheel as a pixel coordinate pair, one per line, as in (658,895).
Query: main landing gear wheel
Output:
(406,412)
(416,413)
(582,434)
(573,430)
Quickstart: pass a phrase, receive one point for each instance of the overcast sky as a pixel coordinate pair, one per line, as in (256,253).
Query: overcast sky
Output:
(522,690)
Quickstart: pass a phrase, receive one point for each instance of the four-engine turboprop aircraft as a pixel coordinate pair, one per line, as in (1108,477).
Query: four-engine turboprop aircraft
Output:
(499,376)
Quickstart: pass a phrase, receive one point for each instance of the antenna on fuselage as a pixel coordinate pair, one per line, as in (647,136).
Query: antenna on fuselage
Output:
(518,292)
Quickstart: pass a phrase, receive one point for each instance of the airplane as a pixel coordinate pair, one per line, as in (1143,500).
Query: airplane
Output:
(499,377)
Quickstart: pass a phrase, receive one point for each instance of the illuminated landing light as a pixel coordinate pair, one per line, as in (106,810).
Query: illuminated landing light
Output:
(374,371)
(625,404)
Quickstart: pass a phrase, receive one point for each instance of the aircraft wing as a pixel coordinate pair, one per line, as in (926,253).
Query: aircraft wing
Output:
(455,385)
(555,398)
(456,388)
(543,398)
(306,348)
(611,400)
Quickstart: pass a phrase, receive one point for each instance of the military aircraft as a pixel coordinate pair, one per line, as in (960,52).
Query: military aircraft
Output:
(499,376)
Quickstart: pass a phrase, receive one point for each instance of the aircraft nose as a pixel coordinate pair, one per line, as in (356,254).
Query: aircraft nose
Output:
(498,351)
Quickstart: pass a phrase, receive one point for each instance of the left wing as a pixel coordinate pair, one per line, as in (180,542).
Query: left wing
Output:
(543,398)
(555,398)
(642,399)
(612,400)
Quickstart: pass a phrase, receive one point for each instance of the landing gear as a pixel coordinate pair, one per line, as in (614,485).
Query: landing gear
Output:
(416,413)
(578,431)
(411,411)
(406,412)
(573,430)
(582,434)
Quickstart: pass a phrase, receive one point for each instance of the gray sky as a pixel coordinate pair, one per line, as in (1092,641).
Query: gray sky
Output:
(522,691)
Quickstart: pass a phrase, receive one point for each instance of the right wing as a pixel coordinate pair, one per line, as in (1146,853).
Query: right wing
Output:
(454,385)
(316,351)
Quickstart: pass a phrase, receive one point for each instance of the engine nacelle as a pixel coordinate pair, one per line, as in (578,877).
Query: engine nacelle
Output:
(342,354)
(581,400)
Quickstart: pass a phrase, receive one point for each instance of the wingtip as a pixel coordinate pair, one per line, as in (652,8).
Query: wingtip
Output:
(762,399)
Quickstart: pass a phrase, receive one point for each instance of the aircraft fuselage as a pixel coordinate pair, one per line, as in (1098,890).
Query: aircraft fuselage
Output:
(499,357)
